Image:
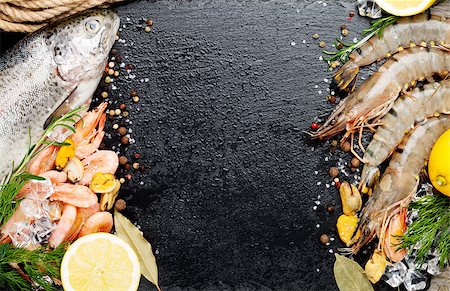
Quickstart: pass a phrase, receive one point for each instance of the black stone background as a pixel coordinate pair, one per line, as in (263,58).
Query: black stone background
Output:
(228,192)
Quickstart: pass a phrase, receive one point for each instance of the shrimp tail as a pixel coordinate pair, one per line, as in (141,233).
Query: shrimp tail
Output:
(364,234)
(346,76)
(370,176)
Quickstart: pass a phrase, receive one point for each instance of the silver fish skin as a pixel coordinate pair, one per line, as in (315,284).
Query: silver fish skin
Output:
(49,72)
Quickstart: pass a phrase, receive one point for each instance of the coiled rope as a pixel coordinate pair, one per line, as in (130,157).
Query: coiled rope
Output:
(30,15)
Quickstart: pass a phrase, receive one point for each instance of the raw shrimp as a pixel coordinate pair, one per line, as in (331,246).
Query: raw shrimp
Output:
(76,195)
(408,109)
(101,161)
(44,161)
(395,229)
(408,31)
(64,226)
(99,222)
(89,145)
(399,182)
(374,98)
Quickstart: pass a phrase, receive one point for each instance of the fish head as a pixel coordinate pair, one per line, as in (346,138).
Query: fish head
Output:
(80,44)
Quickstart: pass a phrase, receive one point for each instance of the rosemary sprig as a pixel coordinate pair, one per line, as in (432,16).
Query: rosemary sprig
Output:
(343,54)
(37,264)
(430,230)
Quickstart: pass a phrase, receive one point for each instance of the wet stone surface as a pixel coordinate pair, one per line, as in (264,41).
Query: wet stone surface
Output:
(233,195)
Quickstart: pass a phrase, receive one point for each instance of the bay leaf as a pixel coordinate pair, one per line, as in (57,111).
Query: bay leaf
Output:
(127,231)
(350,275)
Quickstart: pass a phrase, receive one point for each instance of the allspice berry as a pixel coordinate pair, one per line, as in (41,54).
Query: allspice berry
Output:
(334,172)
(124,140)
(122,131)
(346,146)
(123,160)
(355,162)
(120,204)
(324,239)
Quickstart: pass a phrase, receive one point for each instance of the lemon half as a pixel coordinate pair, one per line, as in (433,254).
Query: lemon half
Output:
(405,7)
(439,164)
(100,261)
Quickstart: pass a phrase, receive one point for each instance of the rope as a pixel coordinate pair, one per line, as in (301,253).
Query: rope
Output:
(30,15)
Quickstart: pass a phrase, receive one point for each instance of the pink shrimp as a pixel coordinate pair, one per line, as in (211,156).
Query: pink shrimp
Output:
(99,222)
(101,161)
(76,195)
(85,129)
(55,176)
(44,161)
(89,146)
(396,228)
(8,227)
(82,215)
(64,226)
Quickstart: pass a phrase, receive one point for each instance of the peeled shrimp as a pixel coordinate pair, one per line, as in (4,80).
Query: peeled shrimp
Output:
(408,109)
(44,161)
(374,98)
(99,222)
(101,161)
(399,181)
(76,195)
(407,32)
(64,226)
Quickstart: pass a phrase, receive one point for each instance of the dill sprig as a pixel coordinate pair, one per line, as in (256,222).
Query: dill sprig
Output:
(431,229)
(343,54)
(37,264)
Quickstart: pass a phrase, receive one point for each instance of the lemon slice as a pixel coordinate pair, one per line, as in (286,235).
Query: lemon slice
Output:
(103,183)
(439,164)
(405,7)
(100,261)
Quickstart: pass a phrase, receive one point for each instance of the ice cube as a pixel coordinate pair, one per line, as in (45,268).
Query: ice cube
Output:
(433,267)
(414,280)
(395,274)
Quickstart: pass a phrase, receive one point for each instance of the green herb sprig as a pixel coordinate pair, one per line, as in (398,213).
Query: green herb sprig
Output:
(37,264)
(343,54)
(431,230)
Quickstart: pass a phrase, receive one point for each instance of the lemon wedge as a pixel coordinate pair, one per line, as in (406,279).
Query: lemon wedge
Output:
(439,164)
(405,7)
(100,261)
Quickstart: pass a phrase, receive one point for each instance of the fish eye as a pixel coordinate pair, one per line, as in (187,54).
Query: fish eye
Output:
(92,25)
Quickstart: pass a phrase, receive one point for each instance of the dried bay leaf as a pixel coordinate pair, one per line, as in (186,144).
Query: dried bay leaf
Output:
(350,275)
(127,231)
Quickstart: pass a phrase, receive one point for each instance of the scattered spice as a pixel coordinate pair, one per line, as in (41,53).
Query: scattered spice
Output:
(136,99)
(334,172)
(346,146)
(149,22)
(322,44)
(330,209)
(123,160)
(314,125)
(128,177)
(316,36)
(104,94)
(122,106)
(137,156)
(125,114)
(355,162)
(122,131)
(111,64)
(115,126)
(122,180)
(127,166)
(135,166)
(344,32)
(147,29)
(124,140)
(120,204)
(324,239)
(108,79)
(331,98)
(133,93)
(334,143)
(351,13)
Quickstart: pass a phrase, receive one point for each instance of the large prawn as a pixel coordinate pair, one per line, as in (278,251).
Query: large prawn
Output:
(399,182)
(409,31)
(409,109)
(375,97)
